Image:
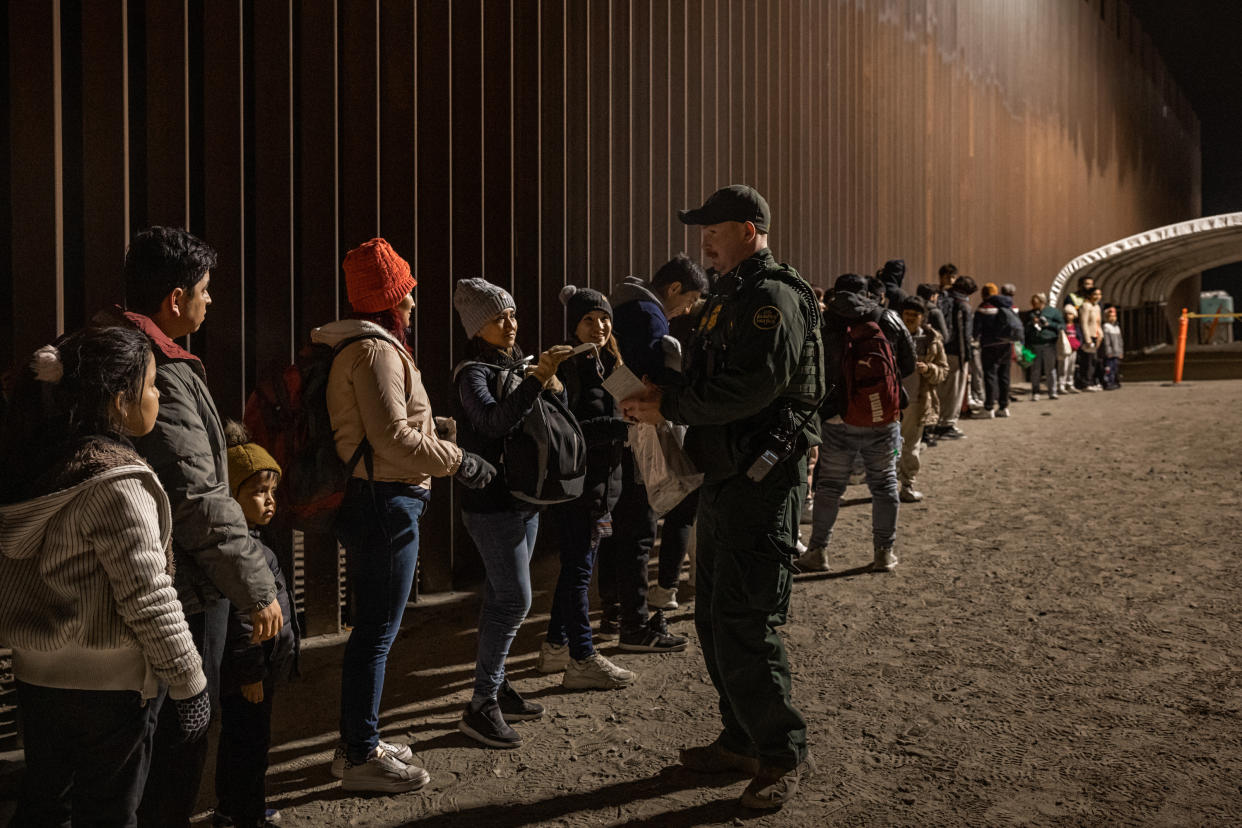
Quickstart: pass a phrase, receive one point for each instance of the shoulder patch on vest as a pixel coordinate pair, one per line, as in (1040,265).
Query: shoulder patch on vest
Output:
(767,318)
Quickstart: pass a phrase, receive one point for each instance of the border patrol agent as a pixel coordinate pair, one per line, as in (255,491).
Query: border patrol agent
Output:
(753,379)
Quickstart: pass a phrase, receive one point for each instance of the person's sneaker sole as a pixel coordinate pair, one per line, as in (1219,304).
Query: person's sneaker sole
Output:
(653,648)
(592,684)
(386,786)
(486,740)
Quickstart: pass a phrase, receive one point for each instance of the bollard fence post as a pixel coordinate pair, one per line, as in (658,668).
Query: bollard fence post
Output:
(1181,346)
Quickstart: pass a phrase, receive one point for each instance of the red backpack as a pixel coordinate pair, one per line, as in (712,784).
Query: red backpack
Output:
(872,384)
(287,414)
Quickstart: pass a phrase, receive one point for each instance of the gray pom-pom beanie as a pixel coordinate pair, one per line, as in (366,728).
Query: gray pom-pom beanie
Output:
(477,301)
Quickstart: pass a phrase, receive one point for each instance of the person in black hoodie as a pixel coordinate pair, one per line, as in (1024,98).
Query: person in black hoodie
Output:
(879,445)
(892,275)
(997,327)
(568,646)
(955,306)
(250,671)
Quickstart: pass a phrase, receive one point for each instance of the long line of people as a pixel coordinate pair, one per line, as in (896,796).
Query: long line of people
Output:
(158,579)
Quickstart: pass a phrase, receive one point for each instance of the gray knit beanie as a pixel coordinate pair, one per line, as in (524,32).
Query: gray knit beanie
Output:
(477,301)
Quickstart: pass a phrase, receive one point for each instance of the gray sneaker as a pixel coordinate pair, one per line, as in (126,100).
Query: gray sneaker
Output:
(659,598)
(814,559)
(595,673)
(885,560)
(383,772)
(402,752)
(553,658)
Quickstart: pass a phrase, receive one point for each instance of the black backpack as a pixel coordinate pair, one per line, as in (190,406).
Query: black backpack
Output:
(544,457)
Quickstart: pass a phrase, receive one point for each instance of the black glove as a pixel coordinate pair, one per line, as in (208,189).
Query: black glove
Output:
(193,716)
(474,472)
(618,430)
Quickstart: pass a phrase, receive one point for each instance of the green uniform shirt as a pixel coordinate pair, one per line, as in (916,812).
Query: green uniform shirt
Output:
(751,351)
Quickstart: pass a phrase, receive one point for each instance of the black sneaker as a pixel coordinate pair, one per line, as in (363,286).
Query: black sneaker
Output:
(514,707)
(654,637)
(484,723)
(952,433)
(609,625)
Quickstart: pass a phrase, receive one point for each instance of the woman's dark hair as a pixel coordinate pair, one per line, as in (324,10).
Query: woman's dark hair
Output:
(913,303)
(849,283)
(948,269)
(160,260)
(927,290)
(45,417)
(684,270)
(390,321)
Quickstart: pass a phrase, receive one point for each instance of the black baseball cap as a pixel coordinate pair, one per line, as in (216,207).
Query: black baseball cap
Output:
(737,202)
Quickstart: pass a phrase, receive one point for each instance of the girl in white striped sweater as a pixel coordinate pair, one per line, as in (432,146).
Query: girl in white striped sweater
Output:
(88,604)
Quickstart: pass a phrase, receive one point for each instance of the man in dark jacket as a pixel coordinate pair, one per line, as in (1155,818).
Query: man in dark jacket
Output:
(997,327)
(167,271)
(955,305)
(878,445)
(641,311)
(1043,328)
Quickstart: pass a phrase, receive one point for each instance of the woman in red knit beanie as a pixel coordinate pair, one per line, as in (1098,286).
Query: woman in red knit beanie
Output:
(383,425)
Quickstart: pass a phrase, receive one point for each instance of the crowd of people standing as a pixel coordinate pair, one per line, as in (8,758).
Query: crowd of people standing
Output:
(130,494)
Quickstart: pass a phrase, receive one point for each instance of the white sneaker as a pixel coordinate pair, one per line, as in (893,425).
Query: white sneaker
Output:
(383,772)
(595,673)
(1002,412)
(908,494)
(989,414)
(1034,398)
(401,752)
(553,658)
(659,598)
(884,561)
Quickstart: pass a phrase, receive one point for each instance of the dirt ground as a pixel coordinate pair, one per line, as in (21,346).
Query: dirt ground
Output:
(1059,646)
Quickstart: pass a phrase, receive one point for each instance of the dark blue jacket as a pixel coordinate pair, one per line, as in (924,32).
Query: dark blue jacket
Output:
(272,660)
(639,324)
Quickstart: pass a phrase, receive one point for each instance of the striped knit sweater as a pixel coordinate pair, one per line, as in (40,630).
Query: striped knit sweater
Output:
(87,600)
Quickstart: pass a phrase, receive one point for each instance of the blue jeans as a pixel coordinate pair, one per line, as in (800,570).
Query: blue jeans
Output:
(87,754)
(505,541)
(570,622)
(379,531)
(880,448)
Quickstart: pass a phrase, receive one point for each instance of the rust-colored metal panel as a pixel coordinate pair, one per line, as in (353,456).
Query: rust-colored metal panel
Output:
(35,176)
(224,208)
(398,210)
(497,186)
(271,189)
(640,157)
(167,115)
(358,124)
(550,163)
(105,151)
(660,205)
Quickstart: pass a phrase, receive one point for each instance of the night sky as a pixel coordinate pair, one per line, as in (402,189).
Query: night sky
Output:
(1201,43)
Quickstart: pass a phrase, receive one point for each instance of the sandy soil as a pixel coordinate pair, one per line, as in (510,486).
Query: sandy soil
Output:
(1058,646)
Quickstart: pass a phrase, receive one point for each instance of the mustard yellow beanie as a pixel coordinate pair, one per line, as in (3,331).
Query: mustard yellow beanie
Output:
(245,460)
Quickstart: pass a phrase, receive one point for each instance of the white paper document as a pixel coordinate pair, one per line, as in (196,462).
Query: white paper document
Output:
(622,384)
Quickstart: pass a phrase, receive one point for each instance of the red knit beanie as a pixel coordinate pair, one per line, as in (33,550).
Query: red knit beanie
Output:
(376,278)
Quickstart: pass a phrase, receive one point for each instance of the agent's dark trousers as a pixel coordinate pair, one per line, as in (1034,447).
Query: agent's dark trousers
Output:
(87,754)
(623,557)
(675,538)
(742,596)
(241,758)
(570,621)
(996,359)
(176,767)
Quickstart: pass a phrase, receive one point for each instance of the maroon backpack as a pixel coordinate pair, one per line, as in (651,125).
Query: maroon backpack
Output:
(872,384)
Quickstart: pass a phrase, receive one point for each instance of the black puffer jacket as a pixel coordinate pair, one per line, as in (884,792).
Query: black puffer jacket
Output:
(844,309)
(272,660)
(602,427)
(892,275)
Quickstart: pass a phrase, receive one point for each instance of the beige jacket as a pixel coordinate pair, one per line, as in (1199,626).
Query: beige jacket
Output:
(376,391)
(1089,324)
